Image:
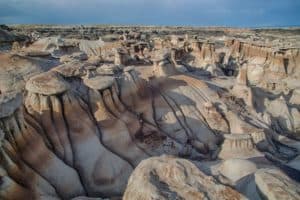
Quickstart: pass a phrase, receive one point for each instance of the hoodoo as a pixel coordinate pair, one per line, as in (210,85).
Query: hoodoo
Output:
(149,113)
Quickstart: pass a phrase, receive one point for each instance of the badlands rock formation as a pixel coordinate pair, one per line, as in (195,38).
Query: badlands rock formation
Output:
(149,113)
(170,178)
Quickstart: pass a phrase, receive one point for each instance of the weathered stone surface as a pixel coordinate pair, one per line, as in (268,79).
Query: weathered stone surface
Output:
(108,69)
(91,47)
(162,55)
(15,70)
(9,103)
(71,69)
(88,198)
(235,169)
(238,146)
(47,83)
(37,53)
(273,184)
(77,56)
(121,57)
(99,82)
(172,178)
(96,109)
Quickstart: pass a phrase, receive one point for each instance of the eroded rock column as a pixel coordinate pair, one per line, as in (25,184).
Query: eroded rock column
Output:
(71,133)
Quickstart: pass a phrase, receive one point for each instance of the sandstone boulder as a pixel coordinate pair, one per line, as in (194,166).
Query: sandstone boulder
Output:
(47,83)
(99,82)
(273,184)
(172,178)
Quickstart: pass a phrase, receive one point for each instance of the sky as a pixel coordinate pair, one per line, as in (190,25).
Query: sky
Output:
(234,13)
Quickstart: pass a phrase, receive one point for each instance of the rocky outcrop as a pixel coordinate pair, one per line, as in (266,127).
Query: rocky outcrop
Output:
(285,119)
(203,56)
(91,47)
(56,110)
(49,83)
(59,47)
(78,117)
(267,64)
(16,69)
(273,184)
(241,88)
(55,45)
(80,56)
(172,178)
(54,106)
(9,103)
(113,119)
(19,140)
(121,57)
(203,51)
(164,65)
(9,39)
(238,146)
(235,169)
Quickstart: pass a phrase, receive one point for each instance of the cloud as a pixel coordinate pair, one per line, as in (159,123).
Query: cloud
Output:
(156,12)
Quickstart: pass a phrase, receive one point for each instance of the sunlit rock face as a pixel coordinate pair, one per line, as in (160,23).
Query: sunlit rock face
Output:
(173,178)
(145,114)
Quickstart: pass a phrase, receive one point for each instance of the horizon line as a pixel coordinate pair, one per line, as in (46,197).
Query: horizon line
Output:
(151,25)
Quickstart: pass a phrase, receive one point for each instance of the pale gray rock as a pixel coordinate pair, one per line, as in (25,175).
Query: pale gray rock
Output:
(99,82)
(235,169)
(173,178)
(48,83)
(273,184)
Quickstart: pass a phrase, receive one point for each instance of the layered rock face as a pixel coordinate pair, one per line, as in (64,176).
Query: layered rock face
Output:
(91,119)
(266,64)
